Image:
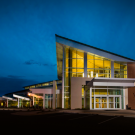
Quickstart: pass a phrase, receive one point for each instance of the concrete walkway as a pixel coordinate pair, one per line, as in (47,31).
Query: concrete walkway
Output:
(125,113)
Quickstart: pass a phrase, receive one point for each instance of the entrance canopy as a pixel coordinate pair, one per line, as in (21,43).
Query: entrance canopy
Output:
(21,97)
(10,98)
(120,82)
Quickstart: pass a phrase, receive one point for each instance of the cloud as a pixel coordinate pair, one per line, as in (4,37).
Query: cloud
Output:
(31,62)
(13,76)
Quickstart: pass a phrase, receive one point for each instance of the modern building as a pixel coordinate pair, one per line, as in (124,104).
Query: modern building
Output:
(89,77)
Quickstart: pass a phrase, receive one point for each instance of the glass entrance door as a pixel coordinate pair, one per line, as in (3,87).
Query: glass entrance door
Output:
(100,102)
(115,102)
(107,102)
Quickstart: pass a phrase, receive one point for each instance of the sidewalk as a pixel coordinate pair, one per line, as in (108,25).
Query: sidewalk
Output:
(124,113)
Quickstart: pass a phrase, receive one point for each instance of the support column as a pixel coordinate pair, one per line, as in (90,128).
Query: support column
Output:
(18,102)
(43,100)
(85,64)
(54,93)
(112,69)
(91,99)
(7,102)
(22,102)
(33,100)
(63,79)
(125,98)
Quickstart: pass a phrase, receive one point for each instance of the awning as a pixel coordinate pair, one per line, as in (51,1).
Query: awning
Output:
(120,82)
(10,98)
(21,97)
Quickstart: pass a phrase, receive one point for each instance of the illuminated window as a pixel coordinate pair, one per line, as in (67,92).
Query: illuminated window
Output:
(73,53)
(67,60)
(67,52)
(38,85)
(80,63)
(74,67)
(98,66)
(45,84)
(33,86)
(26,87)
(90,63)
(59,81)
(120,70)
(82,92)
(51,83)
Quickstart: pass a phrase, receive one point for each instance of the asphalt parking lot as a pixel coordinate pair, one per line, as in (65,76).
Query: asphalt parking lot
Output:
(60,121)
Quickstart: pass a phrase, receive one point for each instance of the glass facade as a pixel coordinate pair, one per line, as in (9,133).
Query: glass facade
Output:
(83,97)
(74,67)
(12,103)
(98,66)
(120,70)
(48,100)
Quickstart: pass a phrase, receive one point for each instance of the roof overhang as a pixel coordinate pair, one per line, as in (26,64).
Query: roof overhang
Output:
(21,97)
(9,98)
(87,48)
(119,82)
(34,95)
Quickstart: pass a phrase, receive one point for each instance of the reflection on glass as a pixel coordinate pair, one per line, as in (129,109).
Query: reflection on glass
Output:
(90,56)
(73,63)
(98,105)
(107,64)
(90,63)
(104,99)
(80,63)
(82,92)
(117,99)
(117,105)
(114,92)
(111,105)
(67,52)
(97,92)
(104,105)
(99,64)
(67,62)
(120,70)
(111,99)
(92,91)
(80,74)
(80,54)
(73,53)
(66,102)
(98,99)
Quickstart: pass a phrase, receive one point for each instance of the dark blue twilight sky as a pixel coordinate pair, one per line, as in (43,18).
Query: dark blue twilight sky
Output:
(28,28)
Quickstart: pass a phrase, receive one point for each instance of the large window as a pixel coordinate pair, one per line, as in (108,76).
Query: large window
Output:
(120,70)
(74,67)
(98,66)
